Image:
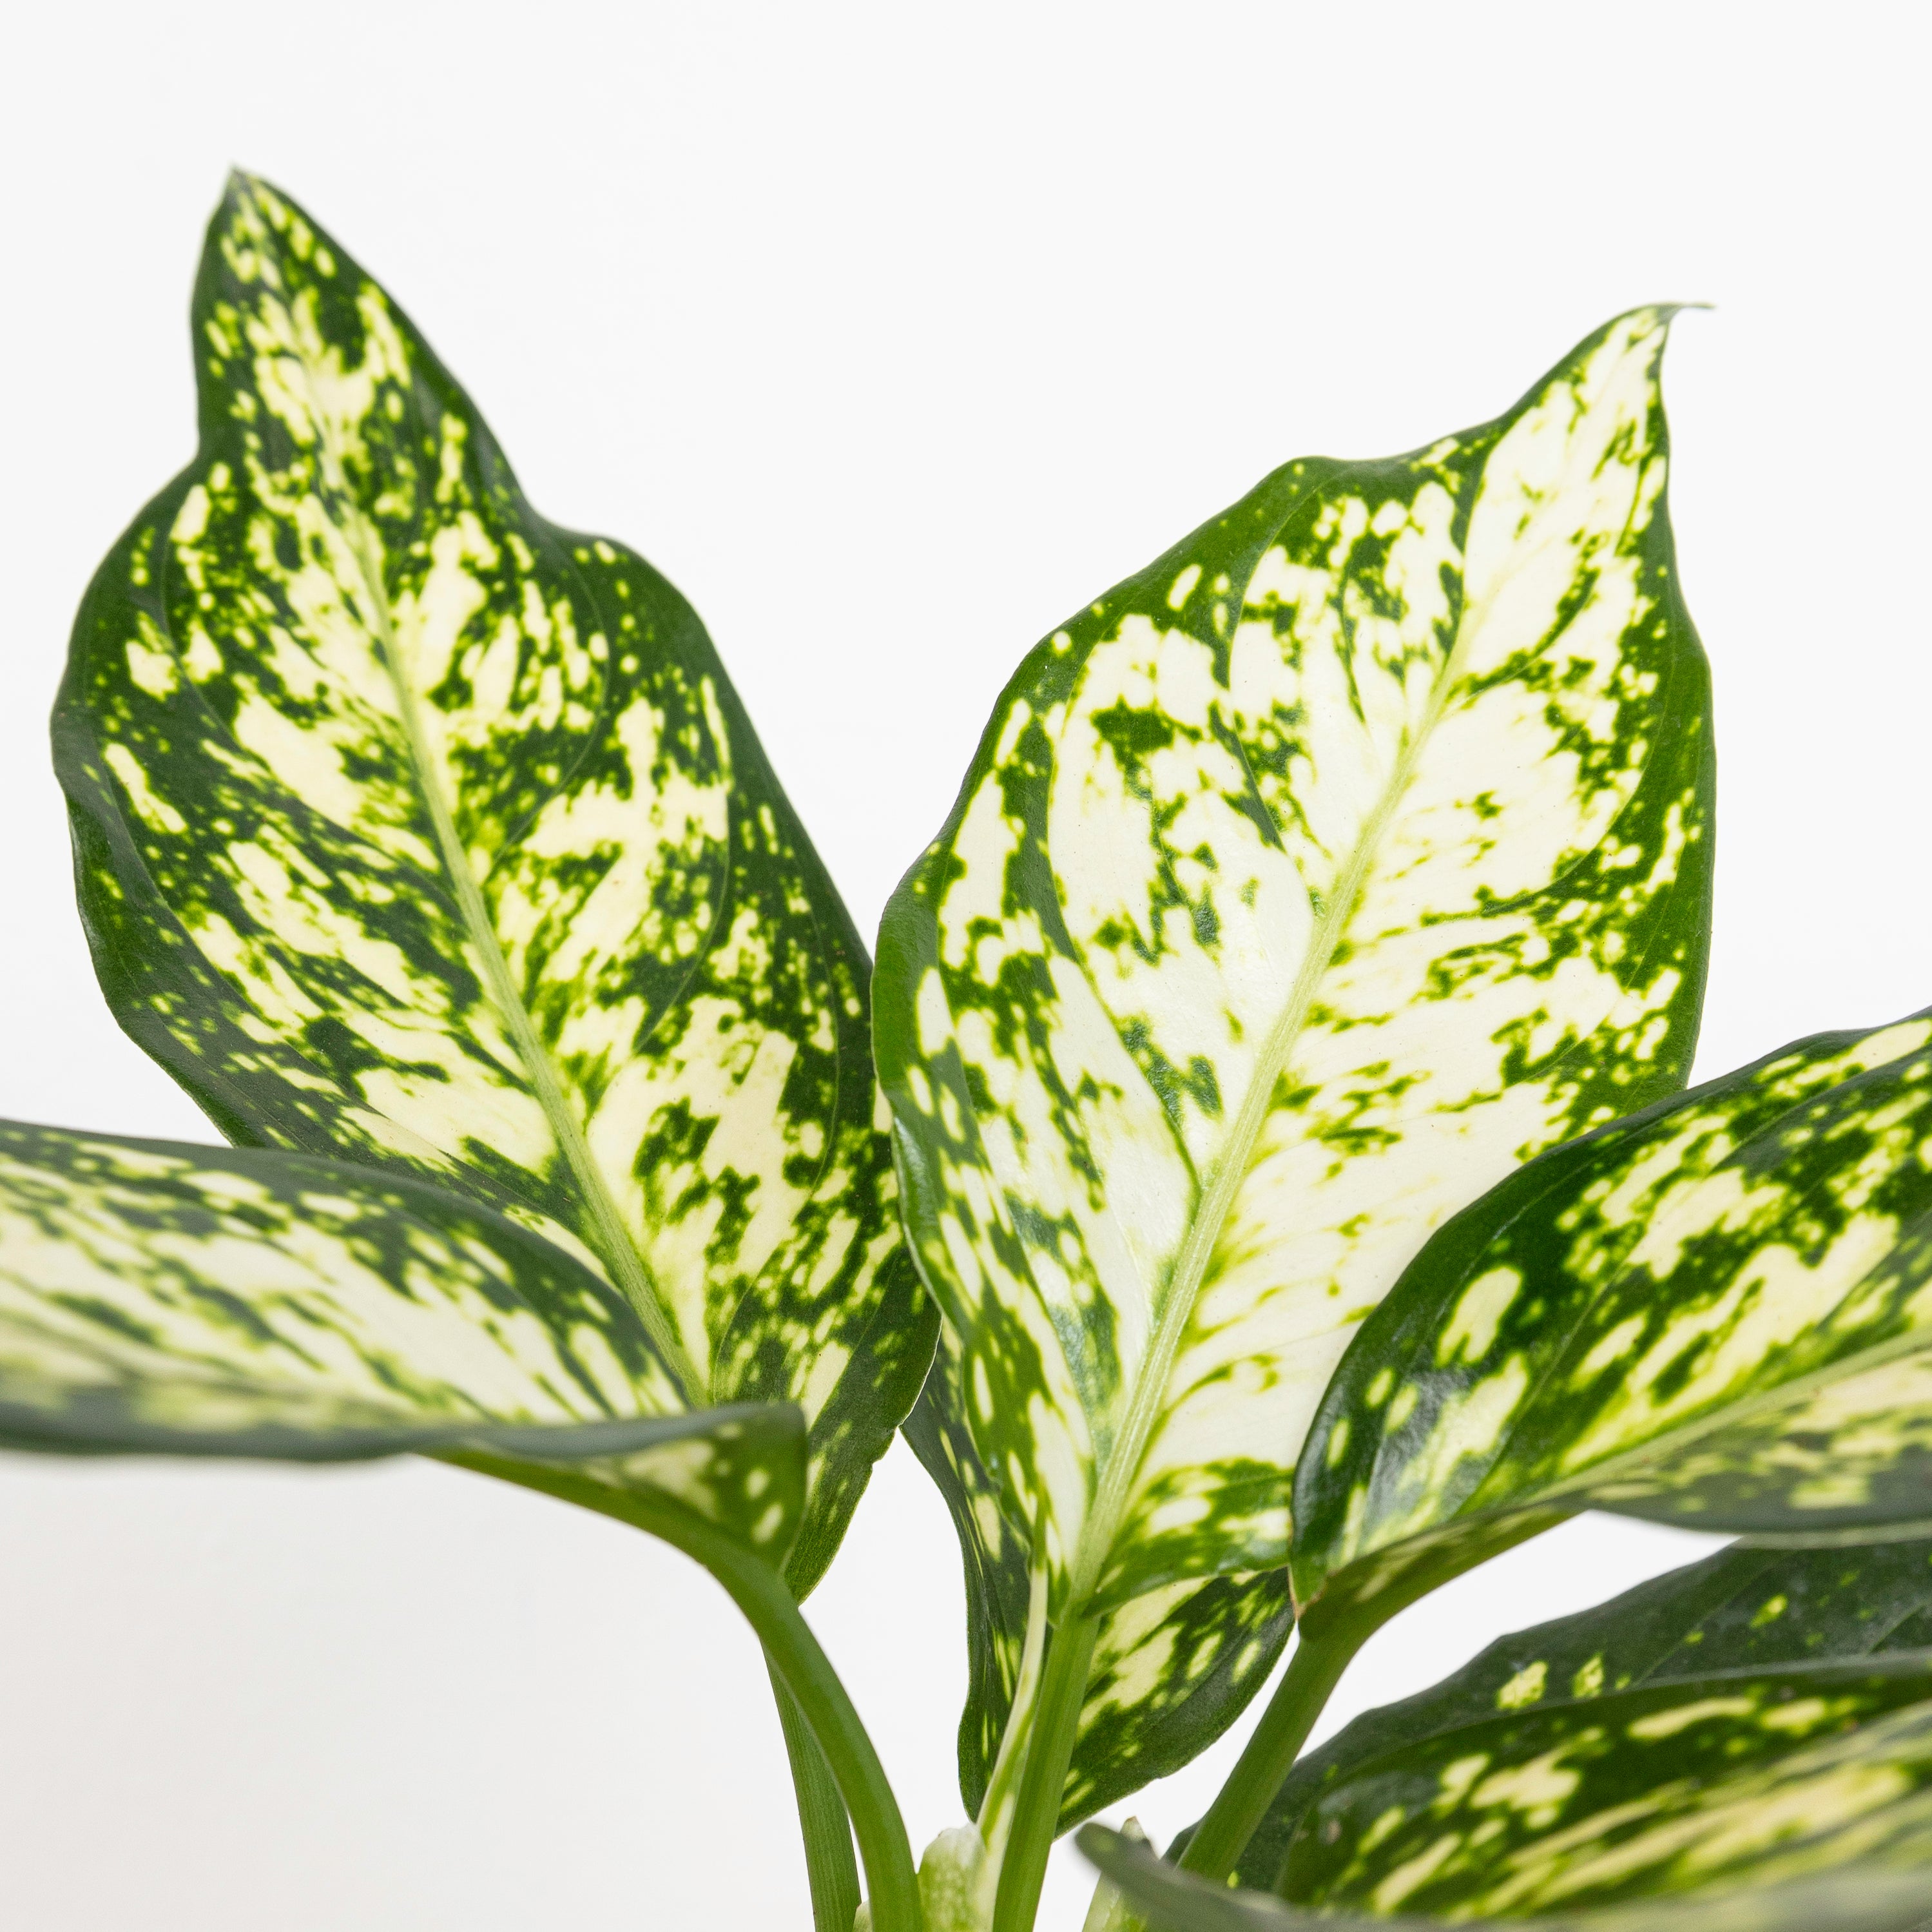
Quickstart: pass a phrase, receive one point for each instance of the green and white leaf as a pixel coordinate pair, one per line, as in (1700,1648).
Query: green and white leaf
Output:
(1171,1670)
(1742,1608)
(156,1297)
(1351,854)
(413,829)
(1743,1778)
(1718,1313)
(1865,1897)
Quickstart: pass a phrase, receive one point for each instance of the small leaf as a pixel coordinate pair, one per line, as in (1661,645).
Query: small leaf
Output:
(1713,1314)
(1171,1670)
(411,828)
(158,1298)
(1742,1607)
(1860,1898)
(1303,885)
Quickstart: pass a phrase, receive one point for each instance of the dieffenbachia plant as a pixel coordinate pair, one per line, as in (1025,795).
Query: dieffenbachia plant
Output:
(1280,1055)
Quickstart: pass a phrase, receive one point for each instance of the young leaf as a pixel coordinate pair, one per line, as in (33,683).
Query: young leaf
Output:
(1351,853)
(1852,1898)
(1713,1313)
(158,1298)
(1171,1670)
(411,828)
(1741,1608)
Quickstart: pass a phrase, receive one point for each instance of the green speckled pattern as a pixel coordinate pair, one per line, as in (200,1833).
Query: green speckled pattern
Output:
(160,1298)
(1744,1778)
(411,828)
(1718,1313)
(1172,1668)
(1741,1608)
(1355,851)
(1860,1896)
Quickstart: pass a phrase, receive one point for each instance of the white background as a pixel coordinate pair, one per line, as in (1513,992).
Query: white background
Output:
(893,335)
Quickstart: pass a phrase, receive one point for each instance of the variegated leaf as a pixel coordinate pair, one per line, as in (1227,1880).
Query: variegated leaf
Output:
(1863,1897)
(1718,1313)
(1741,1779)
(160,1297)
(411,827)
(1351,853)
(1742,1608)
(1171,1670)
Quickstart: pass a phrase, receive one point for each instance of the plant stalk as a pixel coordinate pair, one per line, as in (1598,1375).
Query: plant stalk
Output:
(997,1807)
(1242,1802)
(791,1651)
(822,1823)
(1056,1722)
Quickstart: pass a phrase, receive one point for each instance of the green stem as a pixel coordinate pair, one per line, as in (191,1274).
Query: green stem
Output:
(822,1822)
(1242,1802)
(996,1808)
(1056,1721)
(791,1651)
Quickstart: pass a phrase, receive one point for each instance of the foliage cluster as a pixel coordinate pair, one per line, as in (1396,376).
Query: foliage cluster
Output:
(1259,1176)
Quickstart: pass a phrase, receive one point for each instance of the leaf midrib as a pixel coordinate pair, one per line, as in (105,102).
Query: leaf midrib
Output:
(618,1251)
(1130,1445)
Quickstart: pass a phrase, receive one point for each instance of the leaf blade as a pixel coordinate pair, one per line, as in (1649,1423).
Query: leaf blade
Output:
(1155,983)
(411,827)
(1743,1779)
(1706,1314)
(1872,1901)
(1171,1670)
(1738,1608)
(157,1297)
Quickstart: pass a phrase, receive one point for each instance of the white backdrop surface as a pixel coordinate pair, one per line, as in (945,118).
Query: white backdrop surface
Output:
(892,334)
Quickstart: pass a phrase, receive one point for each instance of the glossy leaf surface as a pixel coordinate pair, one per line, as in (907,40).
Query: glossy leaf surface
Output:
(1701,1784)
(1304,883)
(1171,1670)
(159,1297)
(1867,1898)
(411,828)
(1718,1313)
(1741,1608)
